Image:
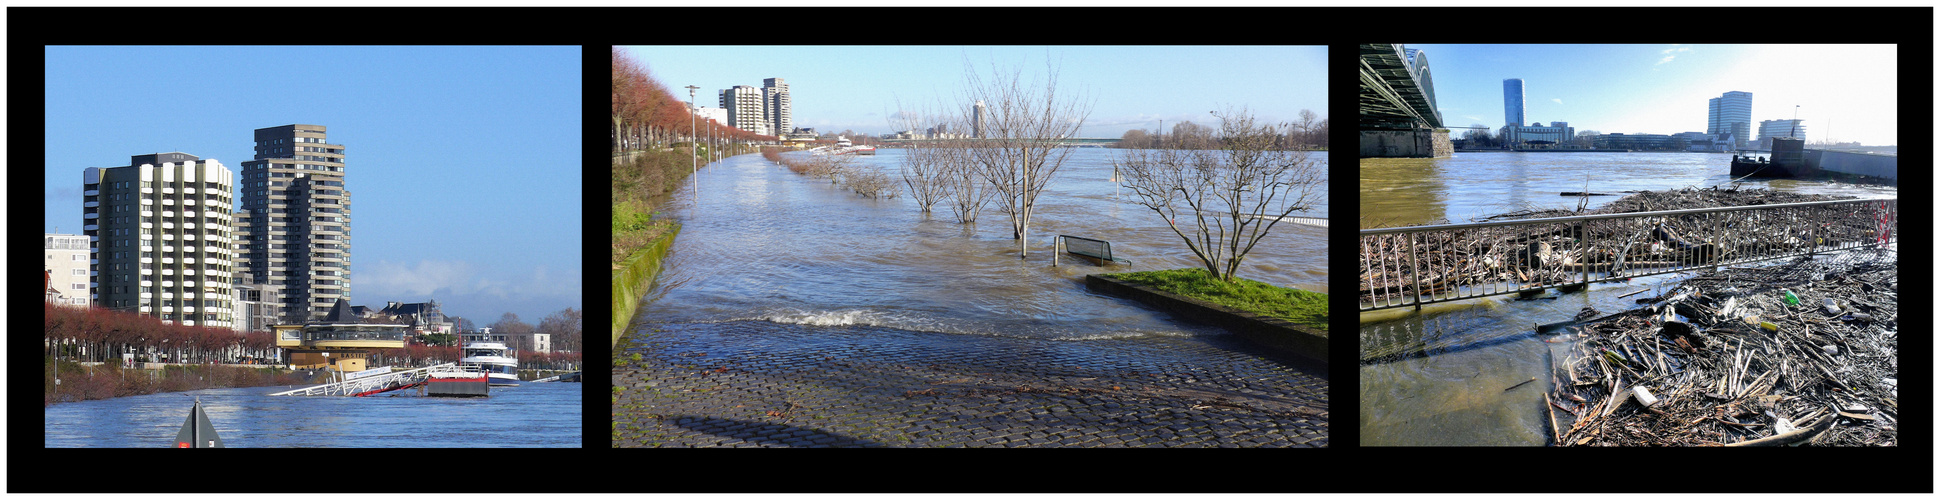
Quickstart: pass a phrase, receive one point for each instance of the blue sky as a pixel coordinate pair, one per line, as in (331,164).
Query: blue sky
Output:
(1850,90)
(463,163)
(833,88)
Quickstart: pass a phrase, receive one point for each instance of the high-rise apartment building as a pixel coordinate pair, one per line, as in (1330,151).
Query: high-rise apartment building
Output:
(745,109)
(68,269)
(294,224)
(1730,114)
(1512,102)
(162,236)
(776,103)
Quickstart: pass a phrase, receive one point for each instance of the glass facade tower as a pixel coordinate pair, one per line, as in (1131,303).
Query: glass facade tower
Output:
(1730,114)
(1512,106)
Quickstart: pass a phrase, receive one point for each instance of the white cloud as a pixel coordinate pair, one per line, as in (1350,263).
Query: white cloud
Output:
(427,277)
(1557,100)
(1671,54)
(466,290)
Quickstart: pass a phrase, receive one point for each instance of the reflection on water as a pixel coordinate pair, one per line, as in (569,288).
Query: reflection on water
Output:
(762,243)
(1438,377)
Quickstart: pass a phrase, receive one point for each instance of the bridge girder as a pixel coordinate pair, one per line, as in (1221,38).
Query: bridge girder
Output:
(1396,93)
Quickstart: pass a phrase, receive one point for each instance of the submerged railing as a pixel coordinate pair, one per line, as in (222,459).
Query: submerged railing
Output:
(1412,266)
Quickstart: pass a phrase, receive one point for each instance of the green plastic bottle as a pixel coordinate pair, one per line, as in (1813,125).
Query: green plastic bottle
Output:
(1790,299)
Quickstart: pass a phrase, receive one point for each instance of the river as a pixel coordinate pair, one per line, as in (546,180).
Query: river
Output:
(1456,395)
(545,415)
(761,243)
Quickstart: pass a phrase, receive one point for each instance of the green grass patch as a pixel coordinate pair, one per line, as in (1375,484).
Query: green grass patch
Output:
(1291,304)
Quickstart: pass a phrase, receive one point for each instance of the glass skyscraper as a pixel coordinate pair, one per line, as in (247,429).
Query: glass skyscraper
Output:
(1512,102)
(1730,114)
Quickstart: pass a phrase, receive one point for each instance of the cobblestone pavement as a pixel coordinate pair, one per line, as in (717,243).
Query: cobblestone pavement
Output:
(760,384)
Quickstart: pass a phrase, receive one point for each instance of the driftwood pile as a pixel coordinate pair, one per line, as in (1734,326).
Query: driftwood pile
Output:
(1804,352)
(1548,254)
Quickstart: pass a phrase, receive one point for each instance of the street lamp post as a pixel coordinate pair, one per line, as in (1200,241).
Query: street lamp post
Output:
(693,155)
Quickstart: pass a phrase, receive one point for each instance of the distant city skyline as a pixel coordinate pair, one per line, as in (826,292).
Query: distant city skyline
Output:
(464,161)
(836,88)
(1844,92)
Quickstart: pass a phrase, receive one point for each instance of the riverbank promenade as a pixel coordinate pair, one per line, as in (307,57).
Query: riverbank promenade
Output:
(761,384)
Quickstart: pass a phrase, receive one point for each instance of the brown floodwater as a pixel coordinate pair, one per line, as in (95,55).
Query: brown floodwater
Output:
(761,243)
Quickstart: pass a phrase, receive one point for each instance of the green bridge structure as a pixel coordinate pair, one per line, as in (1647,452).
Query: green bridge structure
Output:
(1398,114)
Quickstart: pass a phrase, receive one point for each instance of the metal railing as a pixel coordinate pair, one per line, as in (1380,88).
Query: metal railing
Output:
(376,383)
(1413,266)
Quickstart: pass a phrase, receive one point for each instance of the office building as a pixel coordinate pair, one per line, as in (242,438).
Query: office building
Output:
(1768,129)
(774,93)
(161,236)
(745,109)
(1730,114)
(1512,102)
(294,224)
(257,306)
(1555,133)
(68,270)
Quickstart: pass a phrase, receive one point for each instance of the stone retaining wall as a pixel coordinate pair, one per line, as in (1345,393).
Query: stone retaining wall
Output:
(1273,333)
(635,275)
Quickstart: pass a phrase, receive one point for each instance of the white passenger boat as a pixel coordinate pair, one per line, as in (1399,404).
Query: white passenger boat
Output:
(493,358)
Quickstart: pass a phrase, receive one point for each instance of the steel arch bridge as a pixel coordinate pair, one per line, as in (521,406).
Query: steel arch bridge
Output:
(1397,89)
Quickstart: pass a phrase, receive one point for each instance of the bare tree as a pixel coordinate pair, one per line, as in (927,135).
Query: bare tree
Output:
(966,191)
(1229,197)
(565,328)
(922,168)
(1018,151)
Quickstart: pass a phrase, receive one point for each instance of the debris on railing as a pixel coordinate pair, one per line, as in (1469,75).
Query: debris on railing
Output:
(1506,256)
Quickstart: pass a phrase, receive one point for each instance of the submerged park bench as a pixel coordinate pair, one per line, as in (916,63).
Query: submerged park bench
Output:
(1096,251)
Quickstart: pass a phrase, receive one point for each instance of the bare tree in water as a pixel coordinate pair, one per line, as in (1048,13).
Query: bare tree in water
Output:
(1017,147)
(1222,200)
(922,167)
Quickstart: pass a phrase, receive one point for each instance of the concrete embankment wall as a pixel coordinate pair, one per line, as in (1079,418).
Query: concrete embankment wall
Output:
(1880,166)
(1272,333)
(634,276)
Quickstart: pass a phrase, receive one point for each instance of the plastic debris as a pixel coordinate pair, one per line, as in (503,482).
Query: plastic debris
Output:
(1644,397)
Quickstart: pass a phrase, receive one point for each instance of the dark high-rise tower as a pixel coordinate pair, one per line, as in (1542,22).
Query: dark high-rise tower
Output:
(294,223)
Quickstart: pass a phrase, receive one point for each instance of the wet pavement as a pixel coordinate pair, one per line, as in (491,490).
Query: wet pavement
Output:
(762,384)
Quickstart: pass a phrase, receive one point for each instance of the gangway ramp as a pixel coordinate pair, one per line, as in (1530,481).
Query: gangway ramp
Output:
(563,377)
(365,385)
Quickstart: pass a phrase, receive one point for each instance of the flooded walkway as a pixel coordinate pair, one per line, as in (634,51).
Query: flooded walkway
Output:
(759,384)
